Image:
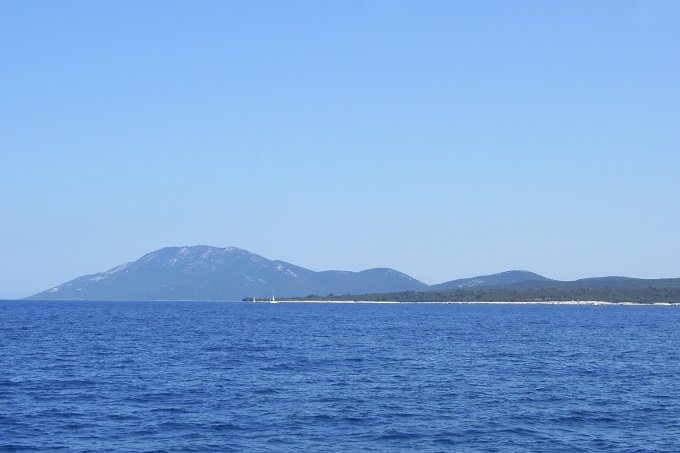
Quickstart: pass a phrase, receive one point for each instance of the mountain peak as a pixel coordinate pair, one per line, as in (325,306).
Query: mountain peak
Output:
(191,253)
(204,272)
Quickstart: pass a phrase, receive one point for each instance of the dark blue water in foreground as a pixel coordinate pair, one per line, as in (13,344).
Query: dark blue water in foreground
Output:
(90,376)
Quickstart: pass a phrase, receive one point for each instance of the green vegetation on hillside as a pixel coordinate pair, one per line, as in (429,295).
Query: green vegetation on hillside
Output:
(550,294)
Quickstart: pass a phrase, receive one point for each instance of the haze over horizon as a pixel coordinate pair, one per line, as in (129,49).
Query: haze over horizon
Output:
(444,140)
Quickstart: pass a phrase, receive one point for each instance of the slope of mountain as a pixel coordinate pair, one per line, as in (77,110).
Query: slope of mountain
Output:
(485,281)
(211,273)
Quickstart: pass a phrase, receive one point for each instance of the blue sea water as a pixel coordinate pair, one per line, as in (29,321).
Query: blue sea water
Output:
(193,376)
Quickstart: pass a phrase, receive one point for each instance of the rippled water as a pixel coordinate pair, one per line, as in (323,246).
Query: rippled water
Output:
(320,377)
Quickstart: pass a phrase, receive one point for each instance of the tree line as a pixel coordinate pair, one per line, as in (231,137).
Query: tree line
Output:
(646,295)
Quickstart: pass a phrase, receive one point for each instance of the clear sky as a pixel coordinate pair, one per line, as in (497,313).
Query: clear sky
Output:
(444,139)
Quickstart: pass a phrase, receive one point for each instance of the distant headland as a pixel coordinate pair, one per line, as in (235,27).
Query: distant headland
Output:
(213,273)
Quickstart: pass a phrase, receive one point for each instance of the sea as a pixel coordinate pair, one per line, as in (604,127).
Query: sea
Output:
(219,376)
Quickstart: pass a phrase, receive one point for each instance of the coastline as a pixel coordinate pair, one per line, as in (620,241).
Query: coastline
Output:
(555,302)
(373,302)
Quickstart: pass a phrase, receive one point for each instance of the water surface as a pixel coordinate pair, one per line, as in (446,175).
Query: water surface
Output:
(193,376)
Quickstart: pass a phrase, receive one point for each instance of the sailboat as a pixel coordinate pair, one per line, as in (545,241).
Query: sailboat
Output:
(273,301)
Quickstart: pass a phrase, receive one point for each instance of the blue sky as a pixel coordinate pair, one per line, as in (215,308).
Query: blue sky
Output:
(443,139)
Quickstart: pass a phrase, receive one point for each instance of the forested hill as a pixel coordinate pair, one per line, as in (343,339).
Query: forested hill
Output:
(605,289)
